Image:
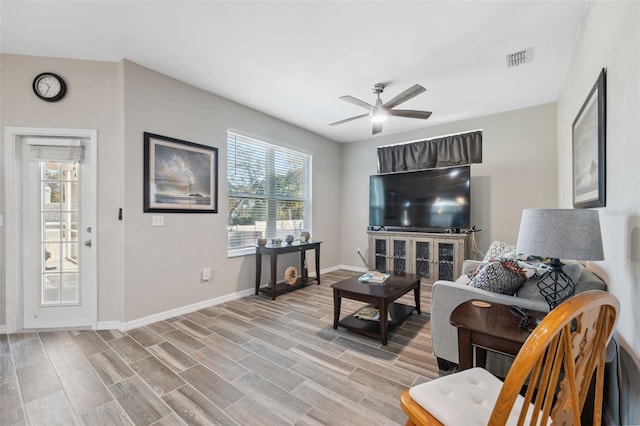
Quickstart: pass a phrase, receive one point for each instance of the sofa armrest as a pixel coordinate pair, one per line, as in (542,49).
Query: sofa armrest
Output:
(446,296)
(469,265)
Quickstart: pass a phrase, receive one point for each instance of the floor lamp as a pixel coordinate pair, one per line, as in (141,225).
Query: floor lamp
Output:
(559,234)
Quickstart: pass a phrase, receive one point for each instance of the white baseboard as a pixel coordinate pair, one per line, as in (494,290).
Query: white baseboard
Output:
(161,316)
(109,325)
(190,308)
(3,329)
(352,268)
(337,267)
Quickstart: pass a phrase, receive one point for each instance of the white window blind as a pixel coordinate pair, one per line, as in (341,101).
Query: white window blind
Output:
(61,150)
(268,191)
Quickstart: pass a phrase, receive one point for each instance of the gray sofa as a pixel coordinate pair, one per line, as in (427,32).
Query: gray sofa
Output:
(446,295)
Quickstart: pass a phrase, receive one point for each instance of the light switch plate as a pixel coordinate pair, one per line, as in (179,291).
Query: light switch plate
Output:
(206,274)
(158,221)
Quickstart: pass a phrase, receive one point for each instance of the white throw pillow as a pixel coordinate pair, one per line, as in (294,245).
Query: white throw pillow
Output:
(498,249)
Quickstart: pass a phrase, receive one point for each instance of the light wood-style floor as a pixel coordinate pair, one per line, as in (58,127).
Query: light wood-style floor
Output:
(252,361)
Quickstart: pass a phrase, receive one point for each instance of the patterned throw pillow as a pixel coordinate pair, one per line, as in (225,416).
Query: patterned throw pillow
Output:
(504,277)
(497,249)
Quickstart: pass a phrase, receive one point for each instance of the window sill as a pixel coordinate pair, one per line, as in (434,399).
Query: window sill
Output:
(241,252)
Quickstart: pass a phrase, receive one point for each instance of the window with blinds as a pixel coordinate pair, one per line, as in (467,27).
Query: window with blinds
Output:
(268,191)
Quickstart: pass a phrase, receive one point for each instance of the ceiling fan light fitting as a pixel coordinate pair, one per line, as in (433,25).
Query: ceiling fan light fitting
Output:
(379,116)
(380,112)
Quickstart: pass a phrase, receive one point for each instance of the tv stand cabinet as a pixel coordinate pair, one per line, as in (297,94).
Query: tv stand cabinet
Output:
(433,256)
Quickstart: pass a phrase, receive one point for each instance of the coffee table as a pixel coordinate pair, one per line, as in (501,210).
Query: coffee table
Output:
(381,296)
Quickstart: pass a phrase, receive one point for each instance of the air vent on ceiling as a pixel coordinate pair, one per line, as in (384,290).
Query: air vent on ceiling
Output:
(518,58)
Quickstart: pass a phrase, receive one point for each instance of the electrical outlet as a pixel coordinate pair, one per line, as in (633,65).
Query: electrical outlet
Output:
(157,221)
(205,274)
(358,250)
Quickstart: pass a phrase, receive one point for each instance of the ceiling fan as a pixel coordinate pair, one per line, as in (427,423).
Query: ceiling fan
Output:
(380,112)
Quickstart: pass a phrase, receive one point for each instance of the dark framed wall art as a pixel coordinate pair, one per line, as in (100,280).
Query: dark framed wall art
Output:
(179,176)
(589,149)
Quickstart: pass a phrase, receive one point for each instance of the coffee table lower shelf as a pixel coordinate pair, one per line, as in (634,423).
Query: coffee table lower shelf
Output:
(399,312)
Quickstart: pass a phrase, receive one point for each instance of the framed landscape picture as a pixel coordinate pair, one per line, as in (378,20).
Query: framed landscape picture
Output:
(589,149)
(179,176)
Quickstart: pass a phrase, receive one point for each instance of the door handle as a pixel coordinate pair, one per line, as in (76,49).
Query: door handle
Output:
(87,243)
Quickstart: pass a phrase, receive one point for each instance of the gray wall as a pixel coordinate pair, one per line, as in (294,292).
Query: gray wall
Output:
(610,38)
(164,262)
(92,102)
(145,270)
(518,171)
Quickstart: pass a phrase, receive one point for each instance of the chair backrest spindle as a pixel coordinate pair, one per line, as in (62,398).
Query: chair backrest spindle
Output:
(559,360)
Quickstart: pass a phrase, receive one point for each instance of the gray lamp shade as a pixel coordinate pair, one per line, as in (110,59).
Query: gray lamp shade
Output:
(572,234)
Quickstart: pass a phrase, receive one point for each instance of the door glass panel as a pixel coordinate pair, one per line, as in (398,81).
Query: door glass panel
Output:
(59,195)
(73,226)
(68,255)
(50,289)
(70,289)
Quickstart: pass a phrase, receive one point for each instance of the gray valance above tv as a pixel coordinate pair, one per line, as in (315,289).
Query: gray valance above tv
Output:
(446,151)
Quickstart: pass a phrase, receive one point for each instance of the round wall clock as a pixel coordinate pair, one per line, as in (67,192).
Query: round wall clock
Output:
(49,87)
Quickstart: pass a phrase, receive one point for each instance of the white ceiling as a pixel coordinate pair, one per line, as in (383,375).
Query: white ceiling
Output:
(293,60)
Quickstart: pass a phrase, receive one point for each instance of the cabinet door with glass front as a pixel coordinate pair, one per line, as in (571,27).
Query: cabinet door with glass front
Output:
(389,254)
(378,253)
(437,258)
(423,258)
(447,256)
(400,254)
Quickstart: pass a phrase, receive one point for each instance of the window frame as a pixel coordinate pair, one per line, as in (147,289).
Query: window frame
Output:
(271,196)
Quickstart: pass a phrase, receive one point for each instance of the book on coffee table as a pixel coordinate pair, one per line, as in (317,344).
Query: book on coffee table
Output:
(367,313)
(374,277)
(370,314)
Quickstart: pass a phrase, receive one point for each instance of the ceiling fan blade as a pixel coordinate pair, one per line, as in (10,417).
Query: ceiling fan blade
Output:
(377,128)
(346,120)
(412,91)
(357,102)
(410,113)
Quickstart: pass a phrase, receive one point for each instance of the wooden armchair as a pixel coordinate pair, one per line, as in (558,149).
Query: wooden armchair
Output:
(548,381)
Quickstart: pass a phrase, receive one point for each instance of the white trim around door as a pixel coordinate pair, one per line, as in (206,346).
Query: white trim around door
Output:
(14,139)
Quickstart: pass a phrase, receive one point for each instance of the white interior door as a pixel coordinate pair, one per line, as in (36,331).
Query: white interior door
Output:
(59,288)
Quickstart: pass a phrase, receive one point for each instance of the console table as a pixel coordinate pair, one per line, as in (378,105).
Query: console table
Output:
(431,255)
(273,250)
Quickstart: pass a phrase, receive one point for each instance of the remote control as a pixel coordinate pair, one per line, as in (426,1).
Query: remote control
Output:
(518,311)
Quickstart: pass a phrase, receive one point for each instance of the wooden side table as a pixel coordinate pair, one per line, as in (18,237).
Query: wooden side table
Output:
(273,251)
(493,327)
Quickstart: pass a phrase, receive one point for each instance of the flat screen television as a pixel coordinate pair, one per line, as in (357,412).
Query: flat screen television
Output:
(431,200)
